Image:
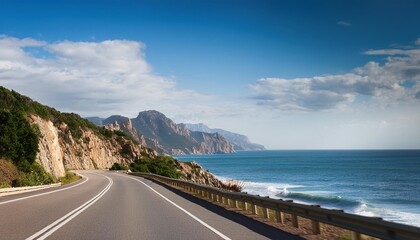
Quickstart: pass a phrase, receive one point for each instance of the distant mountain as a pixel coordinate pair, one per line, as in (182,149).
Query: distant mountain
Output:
(239,141)
(96,120)
(153,129)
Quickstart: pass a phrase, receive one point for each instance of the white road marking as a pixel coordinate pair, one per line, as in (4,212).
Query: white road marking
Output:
(50,229)
(45,193)
(182,209)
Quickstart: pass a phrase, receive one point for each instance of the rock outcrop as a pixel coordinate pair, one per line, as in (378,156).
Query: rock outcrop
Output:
(58,150)
(193,172)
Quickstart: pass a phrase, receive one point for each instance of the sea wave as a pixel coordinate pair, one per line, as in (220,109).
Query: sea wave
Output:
(267,189)
(330,200)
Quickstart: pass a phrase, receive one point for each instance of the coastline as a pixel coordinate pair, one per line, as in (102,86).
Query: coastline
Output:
(285,181)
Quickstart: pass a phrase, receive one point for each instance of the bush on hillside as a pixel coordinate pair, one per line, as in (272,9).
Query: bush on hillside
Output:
(36,176)
(8,173)
(161,165)
(69,178)
(117,166)
(18,139)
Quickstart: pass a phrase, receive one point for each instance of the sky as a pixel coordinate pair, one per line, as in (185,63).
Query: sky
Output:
(288,74)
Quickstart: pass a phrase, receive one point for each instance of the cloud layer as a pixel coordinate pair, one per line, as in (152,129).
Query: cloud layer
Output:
(395,81)
(85,77)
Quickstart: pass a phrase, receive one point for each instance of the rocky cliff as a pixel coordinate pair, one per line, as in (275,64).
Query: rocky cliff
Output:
(58,150)
(153,129)
(193,172)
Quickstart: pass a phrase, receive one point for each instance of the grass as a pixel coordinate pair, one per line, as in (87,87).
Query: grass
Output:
(69,178)
(233,185)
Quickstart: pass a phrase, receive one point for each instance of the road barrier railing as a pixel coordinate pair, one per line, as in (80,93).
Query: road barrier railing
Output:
(371,226)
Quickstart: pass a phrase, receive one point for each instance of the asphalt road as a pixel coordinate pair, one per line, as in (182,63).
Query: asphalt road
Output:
(109,205)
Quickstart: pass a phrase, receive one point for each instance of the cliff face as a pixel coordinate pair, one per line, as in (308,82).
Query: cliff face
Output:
(58,150)
(193,172)
(155,130)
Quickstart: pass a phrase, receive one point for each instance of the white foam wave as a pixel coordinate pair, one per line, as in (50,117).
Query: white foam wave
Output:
(389,214)
(268,189)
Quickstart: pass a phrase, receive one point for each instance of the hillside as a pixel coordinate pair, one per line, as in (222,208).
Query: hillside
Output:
(42,142)
(240,142)
(38,144)
(155,130)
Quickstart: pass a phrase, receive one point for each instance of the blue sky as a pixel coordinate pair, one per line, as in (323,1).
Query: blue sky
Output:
(303,70)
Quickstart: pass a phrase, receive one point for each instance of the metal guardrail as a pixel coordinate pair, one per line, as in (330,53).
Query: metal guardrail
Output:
(371,226)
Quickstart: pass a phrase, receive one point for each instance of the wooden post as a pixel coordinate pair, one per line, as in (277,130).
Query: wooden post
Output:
(356,236)
(265,212)
(253,208)
(279,217)
(244,205)
(295,221)
(316,229)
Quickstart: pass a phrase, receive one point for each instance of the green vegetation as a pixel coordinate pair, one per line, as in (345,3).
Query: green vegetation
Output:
(118,166)
(19,144)
(19,140)
(8,173)
(69,178)
(13,101)
(36,176)
(161,165)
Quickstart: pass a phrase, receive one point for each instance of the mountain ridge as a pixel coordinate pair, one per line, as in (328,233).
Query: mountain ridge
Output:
(240,142)
(153,129)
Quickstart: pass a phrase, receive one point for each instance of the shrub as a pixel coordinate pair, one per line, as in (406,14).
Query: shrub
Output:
(8,173)
(18,139)
(117,166)
(232,185)
(161,165)
(69,178)
(35,176)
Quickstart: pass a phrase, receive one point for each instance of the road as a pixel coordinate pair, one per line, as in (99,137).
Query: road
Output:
(109,205)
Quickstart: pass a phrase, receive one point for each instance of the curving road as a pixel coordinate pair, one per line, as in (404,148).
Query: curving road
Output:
(108,205)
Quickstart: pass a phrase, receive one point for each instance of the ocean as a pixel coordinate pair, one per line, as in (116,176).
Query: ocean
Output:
(381,183)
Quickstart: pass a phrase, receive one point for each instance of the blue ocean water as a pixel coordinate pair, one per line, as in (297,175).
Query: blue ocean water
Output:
(382,183)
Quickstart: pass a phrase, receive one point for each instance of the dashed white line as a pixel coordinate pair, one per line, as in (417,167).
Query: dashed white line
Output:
(50,229)
(45,193)
(182,209)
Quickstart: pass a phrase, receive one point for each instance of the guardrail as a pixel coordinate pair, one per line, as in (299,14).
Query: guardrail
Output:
(16,190)
(371,226)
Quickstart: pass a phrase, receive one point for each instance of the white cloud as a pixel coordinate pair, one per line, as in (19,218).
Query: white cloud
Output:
(395,81)
(86,77)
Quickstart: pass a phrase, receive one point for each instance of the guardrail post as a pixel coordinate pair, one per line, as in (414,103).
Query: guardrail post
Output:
(315,224)
(316,229)
(279,217)
(295,221)
(265,212)
(356,236)
(253,208)
(244,205)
